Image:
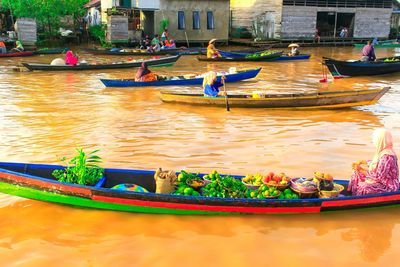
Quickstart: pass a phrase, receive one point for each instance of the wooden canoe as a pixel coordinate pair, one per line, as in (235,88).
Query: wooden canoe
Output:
(270,57)
(171,51)
(35,181)
(18,54)
(151,62)
(51,51)
(329,100)
(235,77)
(380,45)
(340,68)
(283,57)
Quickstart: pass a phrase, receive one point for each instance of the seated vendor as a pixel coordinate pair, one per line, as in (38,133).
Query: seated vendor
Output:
(382,173)
(368,52)
(144,74)
(211,85)
(70,59)
(3,49)
(212,52)
(18,47)
(295,50)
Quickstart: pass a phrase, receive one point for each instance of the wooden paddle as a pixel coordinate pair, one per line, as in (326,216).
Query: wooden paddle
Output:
(226,95)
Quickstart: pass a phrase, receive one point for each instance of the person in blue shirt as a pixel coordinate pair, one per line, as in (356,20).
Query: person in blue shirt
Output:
(211,85)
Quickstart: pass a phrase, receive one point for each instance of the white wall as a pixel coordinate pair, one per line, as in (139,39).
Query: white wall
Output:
(146,4)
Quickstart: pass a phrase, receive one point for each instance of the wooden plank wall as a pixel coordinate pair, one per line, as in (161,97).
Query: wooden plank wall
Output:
(298,21)
(117,29)
(372,22)
(26,30)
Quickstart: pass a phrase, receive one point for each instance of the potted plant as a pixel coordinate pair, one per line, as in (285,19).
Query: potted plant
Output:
(81,169)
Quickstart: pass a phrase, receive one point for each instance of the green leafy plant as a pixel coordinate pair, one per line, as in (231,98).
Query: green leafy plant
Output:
(81,169)
(163,25)
(99,32)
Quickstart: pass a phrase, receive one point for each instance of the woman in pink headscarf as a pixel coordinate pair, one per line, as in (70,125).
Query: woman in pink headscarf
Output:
(70,59)
(382,173)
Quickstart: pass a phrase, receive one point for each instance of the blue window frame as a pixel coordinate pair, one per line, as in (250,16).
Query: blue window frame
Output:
(196,20)
(181,20)
(210,20)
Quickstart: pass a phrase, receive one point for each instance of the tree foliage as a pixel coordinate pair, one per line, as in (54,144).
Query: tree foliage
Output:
(48,13)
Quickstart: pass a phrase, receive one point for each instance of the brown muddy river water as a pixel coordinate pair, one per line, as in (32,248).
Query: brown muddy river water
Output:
(44,115)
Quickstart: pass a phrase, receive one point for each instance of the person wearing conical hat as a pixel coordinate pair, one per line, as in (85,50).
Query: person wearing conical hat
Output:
(295,50)
(212,52)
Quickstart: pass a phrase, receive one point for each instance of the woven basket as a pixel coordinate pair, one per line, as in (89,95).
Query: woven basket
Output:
(334,193)
(303,194)
(278,186)
(165,181)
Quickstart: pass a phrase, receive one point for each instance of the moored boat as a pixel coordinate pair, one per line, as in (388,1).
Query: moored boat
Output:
(380,45)
(342,68)
(51,51)
(270,57)
(181,80)
(130,64)
(330,99)
(18,54)
(137,52)
(283,57)
(35,181)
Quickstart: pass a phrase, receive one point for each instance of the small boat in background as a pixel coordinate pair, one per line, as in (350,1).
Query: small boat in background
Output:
(269,57)
(316,100)
(137,52)
(18,54)
(342,68)
(51,51)
(130,64)
(181,80)
(283,57)
(381,44)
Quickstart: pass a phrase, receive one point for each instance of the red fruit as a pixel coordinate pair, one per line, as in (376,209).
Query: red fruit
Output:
(266,180)
(271,174)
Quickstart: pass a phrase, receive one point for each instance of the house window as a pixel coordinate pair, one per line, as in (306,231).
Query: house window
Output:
(181,20)
(210,20)
(196,20)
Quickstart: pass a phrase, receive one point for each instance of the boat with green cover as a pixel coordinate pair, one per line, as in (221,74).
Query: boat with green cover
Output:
(309,100)
(35,181)
(380,45)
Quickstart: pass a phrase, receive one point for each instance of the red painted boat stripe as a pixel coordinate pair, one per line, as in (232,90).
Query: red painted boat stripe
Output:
(183,206)
(339,203)
(44,184)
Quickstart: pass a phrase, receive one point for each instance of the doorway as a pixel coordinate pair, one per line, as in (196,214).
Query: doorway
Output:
(330,24)
(148,22)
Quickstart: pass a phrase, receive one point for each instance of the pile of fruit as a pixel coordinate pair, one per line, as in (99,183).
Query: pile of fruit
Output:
(255,180)
(280,179)
(261,54)
(223,186)
(263,192)
(182,188)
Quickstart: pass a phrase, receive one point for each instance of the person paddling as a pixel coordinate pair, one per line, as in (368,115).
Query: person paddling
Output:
(211,85)
(212,52)
(144,74)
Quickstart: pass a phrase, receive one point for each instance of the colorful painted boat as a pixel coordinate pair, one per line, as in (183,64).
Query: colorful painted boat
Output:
(34,181)
(131,52)
(269,57)
(281,58)
(18,54)
(235,77)
(329,100)
(340,68)
(132,64)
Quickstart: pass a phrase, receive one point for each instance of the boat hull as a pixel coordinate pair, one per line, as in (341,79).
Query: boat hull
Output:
(227,54)
(182,82)
(383,45)
(173,51)
(358,68)
(329,100)
(135,64)
(270,57)
(28,180)
(18,54)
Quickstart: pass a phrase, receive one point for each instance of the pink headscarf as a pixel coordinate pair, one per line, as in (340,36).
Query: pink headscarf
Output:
(70,59)
(383,142)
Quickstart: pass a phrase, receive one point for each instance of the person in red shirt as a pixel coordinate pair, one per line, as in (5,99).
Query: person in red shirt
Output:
(3,49)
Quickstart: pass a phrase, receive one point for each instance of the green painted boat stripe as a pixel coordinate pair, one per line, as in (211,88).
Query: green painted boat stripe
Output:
(20,191)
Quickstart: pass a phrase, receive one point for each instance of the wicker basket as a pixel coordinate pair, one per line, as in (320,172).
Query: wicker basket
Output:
(334,193)
(165,181)
(190,182)
(280,187)
(251,186)
(303,194)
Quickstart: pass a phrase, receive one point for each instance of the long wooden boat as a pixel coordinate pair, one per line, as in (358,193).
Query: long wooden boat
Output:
(51,51)
(341,68)
(284,57)
(269,57)
(235,77)
(18,54)
(133,64)
(171,51)
(329,100)
(34,181)
(380,45)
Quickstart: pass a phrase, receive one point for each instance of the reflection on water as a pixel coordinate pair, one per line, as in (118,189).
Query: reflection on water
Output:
(45,115)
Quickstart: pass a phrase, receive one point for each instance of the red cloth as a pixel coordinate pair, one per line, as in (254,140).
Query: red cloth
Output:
(70,59)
